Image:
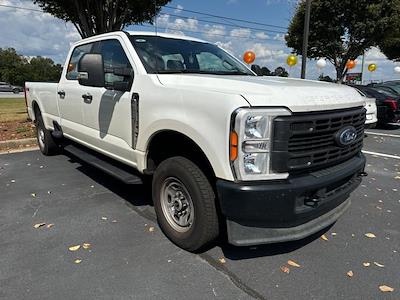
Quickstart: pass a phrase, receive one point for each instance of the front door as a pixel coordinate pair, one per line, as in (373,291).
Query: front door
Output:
(69,95)
(107,112)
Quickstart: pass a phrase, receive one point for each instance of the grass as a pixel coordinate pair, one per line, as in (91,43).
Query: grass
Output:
(12,109)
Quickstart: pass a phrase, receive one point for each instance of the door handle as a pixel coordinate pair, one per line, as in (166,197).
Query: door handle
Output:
(87,98)
(61,94)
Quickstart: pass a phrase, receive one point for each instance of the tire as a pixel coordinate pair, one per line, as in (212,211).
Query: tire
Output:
(45,140)
(180,178)
(16,91)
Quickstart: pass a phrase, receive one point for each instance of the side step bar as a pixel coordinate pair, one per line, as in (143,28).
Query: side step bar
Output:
(105,164)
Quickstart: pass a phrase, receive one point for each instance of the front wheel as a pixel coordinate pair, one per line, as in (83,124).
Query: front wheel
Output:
(16,91)
(184,202)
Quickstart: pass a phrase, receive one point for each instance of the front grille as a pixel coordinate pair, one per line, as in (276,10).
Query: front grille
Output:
(305,142)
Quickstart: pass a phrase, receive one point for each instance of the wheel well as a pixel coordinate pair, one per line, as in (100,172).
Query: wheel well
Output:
(36,109)
(167,144)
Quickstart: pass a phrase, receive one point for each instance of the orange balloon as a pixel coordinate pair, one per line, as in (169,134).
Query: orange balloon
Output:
(249,57)
(350,64)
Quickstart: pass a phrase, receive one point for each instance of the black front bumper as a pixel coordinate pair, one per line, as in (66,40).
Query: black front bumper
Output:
(290,209)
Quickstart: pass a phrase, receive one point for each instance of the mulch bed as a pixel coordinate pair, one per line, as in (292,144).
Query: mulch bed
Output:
(15,130)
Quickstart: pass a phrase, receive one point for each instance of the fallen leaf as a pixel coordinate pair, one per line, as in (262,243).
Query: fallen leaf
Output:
(74,248)
(324,237)
(350,273)
(50,225)
(334,233)
(86,245)
(151,229)
(366,264)
(12,180)
(77,261)
(33,195)
(385,288)
(104,218)
(293,263)
(285,269)
(378,265)
(222,260)
(49,192)
(370,235)
(397,177)
(114,221)
(38,225)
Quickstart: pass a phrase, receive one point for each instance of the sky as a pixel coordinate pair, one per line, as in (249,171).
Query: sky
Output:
(33,33)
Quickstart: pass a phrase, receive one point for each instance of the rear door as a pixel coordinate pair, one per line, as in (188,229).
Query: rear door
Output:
(107,114)
(69,93)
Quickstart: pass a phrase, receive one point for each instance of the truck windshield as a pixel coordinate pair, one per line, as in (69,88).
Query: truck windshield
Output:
(168,56)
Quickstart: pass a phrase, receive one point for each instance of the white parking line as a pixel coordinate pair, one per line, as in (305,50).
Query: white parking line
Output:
(383,134)
(381,154)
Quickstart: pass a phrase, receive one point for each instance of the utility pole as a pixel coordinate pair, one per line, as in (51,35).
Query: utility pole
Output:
(305,38)
(362,68)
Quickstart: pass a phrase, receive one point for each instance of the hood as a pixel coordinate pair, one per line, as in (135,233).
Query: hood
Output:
(296,94)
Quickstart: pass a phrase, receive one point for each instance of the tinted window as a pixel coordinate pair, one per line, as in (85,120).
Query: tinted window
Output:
(114,57)
(78,52)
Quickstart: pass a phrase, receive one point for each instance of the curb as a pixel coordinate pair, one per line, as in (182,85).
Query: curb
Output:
(17,144)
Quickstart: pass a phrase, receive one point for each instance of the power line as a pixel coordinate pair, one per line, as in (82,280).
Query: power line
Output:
(223,17)
(23,8)
(174,8)
(221,23)
(213,34)
(204,32)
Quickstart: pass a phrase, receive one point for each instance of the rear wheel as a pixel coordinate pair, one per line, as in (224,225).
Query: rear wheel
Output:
(16,91)
(45,140)
(184,202)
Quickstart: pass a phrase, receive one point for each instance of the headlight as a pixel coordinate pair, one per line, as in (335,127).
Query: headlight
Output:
(250,143)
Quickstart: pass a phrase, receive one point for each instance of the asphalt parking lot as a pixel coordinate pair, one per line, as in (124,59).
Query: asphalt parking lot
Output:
(129,258)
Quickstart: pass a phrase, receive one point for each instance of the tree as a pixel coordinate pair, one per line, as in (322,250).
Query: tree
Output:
(340,29)
(16,69)
(93,17)
(390,44)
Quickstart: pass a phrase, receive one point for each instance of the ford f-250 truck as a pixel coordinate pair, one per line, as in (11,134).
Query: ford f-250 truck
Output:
(264,159)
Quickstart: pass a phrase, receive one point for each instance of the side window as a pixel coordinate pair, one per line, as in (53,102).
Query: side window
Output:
(72,71)
(114,57)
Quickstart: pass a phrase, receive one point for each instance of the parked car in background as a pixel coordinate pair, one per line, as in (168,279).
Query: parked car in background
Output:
(388,106)
(371,117)
(394,84)
(6,87)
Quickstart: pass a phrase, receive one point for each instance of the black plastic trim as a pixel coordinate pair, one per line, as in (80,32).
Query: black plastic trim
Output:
(291,202)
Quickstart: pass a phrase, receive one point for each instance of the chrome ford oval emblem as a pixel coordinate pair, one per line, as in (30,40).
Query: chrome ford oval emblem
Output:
(346,136)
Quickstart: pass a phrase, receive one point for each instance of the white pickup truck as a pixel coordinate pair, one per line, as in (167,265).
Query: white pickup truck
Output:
(262,159)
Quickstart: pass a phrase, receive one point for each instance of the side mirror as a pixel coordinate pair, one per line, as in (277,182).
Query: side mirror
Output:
(91,70)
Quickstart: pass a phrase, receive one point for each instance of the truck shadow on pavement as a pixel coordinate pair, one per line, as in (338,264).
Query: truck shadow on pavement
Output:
(138,198)
(240,253)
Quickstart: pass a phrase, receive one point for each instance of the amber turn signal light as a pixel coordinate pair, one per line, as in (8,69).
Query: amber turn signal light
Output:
(233,148)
